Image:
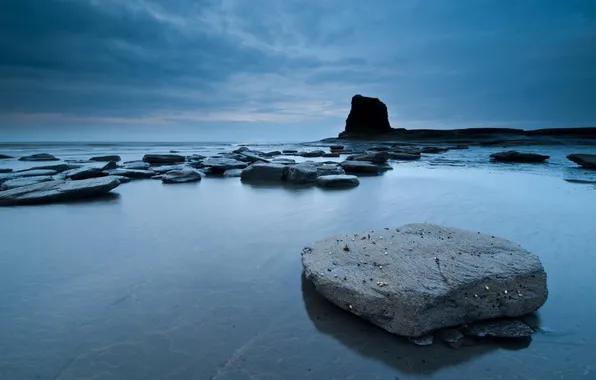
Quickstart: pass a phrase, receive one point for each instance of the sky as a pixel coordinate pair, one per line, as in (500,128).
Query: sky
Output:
(287,69)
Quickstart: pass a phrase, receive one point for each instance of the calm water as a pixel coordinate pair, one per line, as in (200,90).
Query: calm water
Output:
(203,281)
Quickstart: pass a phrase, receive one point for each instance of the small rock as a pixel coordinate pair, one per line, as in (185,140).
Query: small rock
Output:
(84,173)
(220,165)
(587,161)
(376,158)
(181,176)
(332,154)
(110,165)
(108,158)
(338,181)
(122,179)
(499,328)
(174,151)
(425,340)
(163,158)
(272,154)
(289,151)
(518,157)
(39,157)
(196,157)
(336,147)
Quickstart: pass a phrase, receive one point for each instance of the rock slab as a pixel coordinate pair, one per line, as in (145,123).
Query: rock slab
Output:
(338,181)
(163,158)
(420,278)
(181,176)
(58,191)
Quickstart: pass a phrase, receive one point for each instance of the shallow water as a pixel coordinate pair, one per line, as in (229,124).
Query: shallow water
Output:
(204,281)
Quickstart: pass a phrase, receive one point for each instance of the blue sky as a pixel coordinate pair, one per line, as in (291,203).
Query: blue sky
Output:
(254,67)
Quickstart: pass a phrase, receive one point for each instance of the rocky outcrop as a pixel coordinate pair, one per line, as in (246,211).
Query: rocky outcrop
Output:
(420,278)
(181,176)
(25,181)
(163,158)
(587,161)
(263,172)
(39,157)
(367,116)
(108,158)
(513,156)
(58,191)
(338,181)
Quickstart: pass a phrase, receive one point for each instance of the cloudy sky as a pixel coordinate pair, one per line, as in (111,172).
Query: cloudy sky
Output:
(288,68)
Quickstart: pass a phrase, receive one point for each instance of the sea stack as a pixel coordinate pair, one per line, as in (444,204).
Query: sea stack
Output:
(367,116)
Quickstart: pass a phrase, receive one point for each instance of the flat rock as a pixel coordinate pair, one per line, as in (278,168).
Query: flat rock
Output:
(338,181)
(220,165)
(330,169)
(420,278)
(26,173)
(263,172)
(231,173)
(283,161)
(361,167)
(139,165)
(301,173)
(85,173)
(181,176)
(58,191)
(311,153)
(289,151)
(25,181)
(5,157)
(587,161)
(336,147)
(108,158)
(376,158)
(331,154)
(163,158)
(518,157)
(59,168)
(5,170)
(168,168)
(501,328)
(433,150)
(131,173)
(39,157)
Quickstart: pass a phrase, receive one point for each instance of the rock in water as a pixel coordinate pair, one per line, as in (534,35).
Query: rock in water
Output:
(500,328)
(163,158)
(587,161)
(132,173)
(284,161)
(39,157)
(220,165)
(4,157)
(519,157)
(263,172)
(4,170)
(168,168)
(26,173)
(232,173)
(85,173)
(59,168)
(330,169)
(301,173)
(58,191)
(311,153)
(375,158)
(25,181)
(367,116)
(433,150)
(338,181)
(181,176)
(361,167)
(424,277)
(136,166)
(404,156)
(108,158)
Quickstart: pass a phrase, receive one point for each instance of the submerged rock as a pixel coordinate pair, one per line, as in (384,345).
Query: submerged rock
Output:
(587,161)
(132,173)
(181,176)
(518,157)
(501,328)
(108,158)
(58,191)
(361,167)
(163,158)
(39,157)
(263,172)
(338,181)
(25,181)
(424,277)
(231,173)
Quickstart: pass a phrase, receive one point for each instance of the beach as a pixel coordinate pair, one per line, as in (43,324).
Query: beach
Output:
(204,280)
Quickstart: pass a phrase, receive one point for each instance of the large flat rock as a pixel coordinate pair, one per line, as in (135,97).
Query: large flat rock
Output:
(58,191)
(423,277)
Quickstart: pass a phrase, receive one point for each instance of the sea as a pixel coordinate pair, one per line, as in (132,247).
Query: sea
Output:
(204,280)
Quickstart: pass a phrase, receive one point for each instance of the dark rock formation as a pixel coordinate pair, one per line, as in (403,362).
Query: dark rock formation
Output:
(112,157)
(338,181)
(181,176)
(163,158)
(519,157)
(367,116)
(4,157)
(39,157)
(4,170)
(587,161)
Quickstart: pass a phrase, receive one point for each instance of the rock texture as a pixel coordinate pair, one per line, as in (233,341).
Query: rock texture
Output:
(181,176)
(132,173)
(25,181)
(263,172)
(108,158)
(85,173)
(500,328)
(338,181)
(361,167)
(587,161)
(519,157)
(420,278)
(301,173)
(232,173)
(163,158)
(367,116)
(220,165)
(39,157)
(58,191)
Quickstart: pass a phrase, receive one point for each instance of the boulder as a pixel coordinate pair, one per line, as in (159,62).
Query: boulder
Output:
(377,158)
(311,153)
(367,116)
(338,181)
(5,170)
(231,173)
(4,157)
(132,173)
(163,158)
(58,191)
(433,150)
(360,167)
(305,172)
(181,176)
(420,278)
(138,165)
(39,157)
(168,168)
(263,172)
(587,161)
(330,169)
(220,165)
(519,157)
(108,158)
(85,173)
(25,181)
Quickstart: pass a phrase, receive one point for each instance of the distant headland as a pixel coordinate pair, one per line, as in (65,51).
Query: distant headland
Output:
(368,120)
